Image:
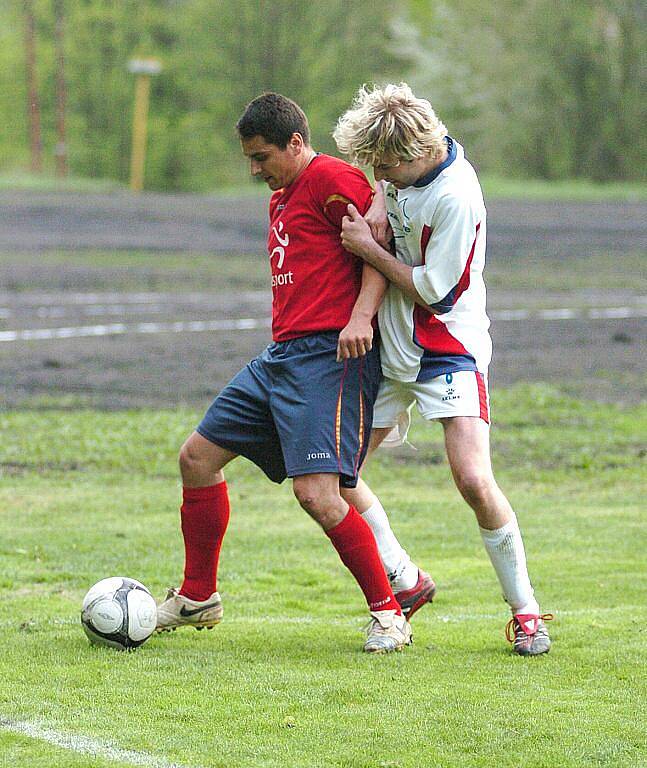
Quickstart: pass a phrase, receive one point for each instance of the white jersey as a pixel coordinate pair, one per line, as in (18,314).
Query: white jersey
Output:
(439,228)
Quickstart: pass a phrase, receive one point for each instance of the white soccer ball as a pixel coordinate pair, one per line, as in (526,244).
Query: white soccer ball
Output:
(118,612)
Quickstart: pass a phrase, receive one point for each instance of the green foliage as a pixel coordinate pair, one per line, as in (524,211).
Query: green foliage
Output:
(542,89)
(534,89)
(282,681)
(13,92)
(217,56)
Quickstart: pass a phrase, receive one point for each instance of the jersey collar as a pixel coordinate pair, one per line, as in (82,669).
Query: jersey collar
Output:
(433,174)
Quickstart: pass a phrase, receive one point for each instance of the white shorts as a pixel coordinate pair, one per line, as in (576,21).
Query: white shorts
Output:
(464,393)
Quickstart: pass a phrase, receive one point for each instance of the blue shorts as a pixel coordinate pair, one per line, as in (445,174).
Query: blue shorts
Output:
(294,410)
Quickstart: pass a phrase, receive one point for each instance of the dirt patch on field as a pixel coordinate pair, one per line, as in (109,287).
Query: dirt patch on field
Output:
(541,255)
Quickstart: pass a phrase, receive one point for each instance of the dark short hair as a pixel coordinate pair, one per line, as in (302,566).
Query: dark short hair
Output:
(275,118)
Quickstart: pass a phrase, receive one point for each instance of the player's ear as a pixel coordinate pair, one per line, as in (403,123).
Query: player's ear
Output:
(296,142)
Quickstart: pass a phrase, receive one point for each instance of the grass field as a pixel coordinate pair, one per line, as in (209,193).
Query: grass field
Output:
(581,190)
(46,182)
(541,279)
(282,681)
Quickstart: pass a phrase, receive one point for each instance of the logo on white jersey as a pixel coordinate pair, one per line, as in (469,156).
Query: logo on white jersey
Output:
(400,224)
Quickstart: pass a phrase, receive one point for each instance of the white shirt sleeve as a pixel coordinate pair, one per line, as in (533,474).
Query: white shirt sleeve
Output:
(444,274)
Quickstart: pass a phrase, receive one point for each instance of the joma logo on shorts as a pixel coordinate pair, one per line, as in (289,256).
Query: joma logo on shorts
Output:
(318,455)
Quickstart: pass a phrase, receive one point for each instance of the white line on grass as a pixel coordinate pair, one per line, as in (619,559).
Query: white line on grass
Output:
(251,324)
(306,619)
(120,329)
(85,745)
(445,618)
(111,297)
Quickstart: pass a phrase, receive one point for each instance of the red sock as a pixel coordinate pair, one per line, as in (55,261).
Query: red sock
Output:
(205,515)
(354,541)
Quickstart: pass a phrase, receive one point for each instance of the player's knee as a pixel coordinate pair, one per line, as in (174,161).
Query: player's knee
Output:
(193,462)
(186,459)
(475,486)
(306,494)
(319,502)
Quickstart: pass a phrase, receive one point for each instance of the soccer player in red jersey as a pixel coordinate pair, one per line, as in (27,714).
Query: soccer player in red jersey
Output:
(303,408)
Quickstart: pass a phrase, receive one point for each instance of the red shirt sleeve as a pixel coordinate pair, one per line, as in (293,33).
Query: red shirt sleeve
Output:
(344,186)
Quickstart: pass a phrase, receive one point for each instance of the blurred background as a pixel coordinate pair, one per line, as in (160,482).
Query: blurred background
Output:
(546,97)
(122,315)
(536,90)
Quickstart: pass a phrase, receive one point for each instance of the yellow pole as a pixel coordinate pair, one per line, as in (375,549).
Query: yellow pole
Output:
(140,117)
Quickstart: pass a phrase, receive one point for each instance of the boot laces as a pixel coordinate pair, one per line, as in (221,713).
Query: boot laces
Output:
(511,626)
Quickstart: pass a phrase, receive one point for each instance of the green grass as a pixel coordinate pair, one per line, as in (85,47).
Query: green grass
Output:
(133,271)
(579,190)
(575,190)
(282,681)
(46,182)
(535,278)
(545,279)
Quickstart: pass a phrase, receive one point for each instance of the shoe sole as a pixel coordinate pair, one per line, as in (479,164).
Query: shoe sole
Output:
(383,651)
(531,653)
(210,624)
(425,597)
(397,649)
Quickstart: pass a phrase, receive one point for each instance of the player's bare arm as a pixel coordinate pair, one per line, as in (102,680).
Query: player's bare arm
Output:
(356,339)
(377,219)
(356,237)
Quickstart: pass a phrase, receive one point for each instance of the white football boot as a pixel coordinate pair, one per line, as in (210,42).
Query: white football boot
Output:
(179,611)
(386,632)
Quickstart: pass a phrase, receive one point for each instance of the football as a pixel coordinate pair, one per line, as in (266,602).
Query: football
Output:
(119,613)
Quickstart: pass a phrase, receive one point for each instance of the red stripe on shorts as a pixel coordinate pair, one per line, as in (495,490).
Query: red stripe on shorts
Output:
(361,415)
(483,405)
(338,415)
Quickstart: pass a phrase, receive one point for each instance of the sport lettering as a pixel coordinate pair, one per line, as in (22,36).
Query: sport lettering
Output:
(283,278)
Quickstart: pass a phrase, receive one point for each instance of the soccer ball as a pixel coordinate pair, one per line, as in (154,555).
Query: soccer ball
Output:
(118,612)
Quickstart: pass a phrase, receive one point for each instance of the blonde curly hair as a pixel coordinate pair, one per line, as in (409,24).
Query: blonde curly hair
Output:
(389,122)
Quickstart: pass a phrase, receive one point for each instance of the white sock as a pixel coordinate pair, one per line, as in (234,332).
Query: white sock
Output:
(505,548)
(402,573)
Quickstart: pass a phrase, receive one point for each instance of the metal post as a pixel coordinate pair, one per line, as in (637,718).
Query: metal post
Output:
(60,151)
(140,117)
(143,69)
(33,104)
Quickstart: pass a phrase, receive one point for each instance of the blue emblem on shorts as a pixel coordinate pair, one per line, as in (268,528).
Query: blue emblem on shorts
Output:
(449,378)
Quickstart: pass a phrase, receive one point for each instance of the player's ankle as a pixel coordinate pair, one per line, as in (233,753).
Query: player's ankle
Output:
(405,577)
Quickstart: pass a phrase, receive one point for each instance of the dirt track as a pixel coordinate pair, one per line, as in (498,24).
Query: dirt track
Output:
(543,259)
(39,221)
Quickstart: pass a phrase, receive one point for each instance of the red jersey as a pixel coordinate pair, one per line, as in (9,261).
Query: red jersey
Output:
(315,282)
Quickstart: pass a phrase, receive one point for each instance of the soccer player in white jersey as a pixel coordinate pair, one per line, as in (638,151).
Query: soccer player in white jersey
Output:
(436,346)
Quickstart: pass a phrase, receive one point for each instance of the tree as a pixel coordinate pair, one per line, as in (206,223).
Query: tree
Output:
(539,88)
